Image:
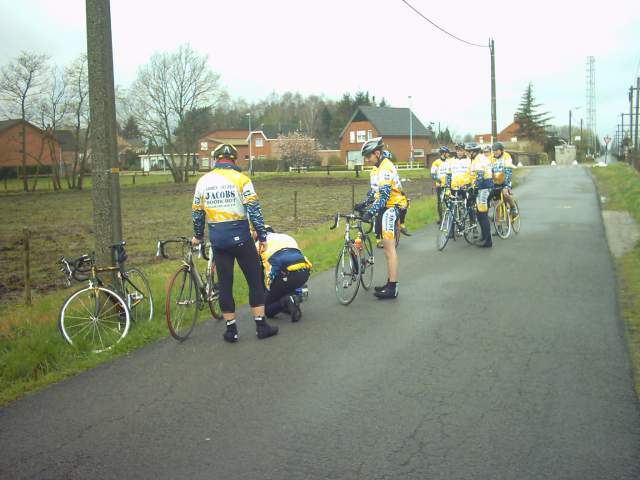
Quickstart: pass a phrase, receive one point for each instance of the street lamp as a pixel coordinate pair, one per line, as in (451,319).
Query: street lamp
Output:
(570,112)
(410,133)
(250,142)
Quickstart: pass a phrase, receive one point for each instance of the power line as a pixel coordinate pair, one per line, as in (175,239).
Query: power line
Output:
(440,28)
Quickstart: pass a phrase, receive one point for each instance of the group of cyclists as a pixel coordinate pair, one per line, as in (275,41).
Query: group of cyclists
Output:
(475,173)
(225,203)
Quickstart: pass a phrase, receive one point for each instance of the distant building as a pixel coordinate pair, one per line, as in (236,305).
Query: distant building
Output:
(261,146)
(42,148)
(508,134)
(390,123)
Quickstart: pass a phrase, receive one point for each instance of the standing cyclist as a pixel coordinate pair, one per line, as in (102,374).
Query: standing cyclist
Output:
(438,174)
(226,201)
(386,205)
(483,185)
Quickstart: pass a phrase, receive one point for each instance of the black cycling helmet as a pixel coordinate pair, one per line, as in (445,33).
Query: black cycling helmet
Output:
(472,147)
(498,146)
(269,229)
(371,146)
(444,149)
(225,150)
(459,146)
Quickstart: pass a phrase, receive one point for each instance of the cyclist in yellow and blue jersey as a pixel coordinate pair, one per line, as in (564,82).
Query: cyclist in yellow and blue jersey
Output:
(225,201)
(388,200)
(502,165)
(285,270)
(481,176)
(458,172)
(438,174)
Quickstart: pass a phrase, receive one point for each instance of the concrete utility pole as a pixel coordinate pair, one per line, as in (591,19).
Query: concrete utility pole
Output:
(106,184)
(631,116)
(635,142)
(410,133)
(494,121)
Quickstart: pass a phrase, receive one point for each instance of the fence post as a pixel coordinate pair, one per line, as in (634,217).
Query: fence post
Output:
(27,265)
(353,195)
(5,183)
(295,205)
(134,178)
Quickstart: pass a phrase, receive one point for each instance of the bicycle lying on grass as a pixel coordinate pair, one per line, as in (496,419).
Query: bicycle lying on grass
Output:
(99,316)
(355,261)
(189,291)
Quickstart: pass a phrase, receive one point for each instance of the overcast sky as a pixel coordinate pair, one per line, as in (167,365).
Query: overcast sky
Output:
(330,47)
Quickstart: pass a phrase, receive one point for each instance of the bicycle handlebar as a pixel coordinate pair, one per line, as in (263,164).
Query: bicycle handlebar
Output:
(184,241)
(349,217)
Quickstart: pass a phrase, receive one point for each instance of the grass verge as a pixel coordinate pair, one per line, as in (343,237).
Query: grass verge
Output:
(33,354)
(620,184)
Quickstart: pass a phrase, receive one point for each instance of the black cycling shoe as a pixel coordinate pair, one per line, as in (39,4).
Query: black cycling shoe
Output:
(388,292)
(285,302)
(264,330)
(382,287)
(488,244)
(294,309)
(231,335)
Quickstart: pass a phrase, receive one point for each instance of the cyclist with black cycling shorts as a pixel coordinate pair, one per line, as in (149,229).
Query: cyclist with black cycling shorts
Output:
(225,201)
(481,176)
(438,174)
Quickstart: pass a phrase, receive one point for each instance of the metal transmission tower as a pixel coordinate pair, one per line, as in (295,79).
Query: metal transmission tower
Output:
(591,101)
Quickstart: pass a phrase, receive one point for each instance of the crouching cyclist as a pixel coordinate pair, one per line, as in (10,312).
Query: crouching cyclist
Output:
(388,200)
(225,201)
(286,270)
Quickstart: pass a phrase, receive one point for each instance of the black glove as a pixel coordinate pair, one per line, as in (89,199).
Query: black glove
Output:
(367,216)
(359,207)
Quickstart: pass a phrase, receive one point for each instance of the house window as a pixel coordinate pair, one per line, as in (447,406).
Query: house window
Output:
(369,134)
(204,145)
(418,152)
(352,137)
(261,157)
(361,136)
(259,142)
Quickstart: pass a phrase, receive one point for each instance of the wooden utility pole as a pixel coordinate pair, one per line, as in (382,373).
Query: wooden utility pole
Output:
(106,184)
(494,121)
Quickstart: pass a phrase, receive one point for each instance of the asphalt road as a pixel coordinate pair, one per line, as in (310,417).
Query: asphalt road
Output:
(501,364)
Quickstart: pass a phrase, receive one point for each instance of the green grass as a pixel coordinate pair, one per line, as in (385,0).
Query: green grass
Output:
(32,352)
(620,184)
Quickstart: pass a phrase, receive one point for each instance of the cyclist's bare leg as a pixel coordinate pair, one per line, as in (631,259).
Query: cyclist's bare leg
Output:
(507,197)
(392,258)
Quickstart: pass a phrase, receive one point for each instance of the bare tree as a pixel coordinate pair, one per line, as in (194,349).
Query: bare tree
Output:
(54,108)
(310,112)
(20,84)
(78,77)
(166,89)
(296,150)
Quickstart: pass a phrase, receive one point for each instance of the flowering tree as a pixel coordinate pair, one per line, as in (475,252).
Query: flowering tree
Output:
(295,150)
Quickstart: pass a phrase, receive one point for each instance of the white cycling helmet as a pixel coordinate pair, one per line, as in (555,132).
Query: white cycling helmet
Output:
(371,146)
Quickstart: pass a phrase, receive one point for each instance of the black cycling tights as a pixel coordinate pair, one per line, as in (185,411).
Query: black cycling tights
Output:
(249,263)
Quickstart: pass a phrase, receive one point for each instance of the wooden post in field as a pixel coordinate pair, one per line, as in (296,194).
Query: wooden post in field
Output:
(353,196)
(26,241)
(295,205)
(134,178)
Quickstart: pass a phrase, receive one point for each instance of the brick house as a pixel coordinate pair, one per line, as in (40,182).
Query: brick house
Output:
(42,148)
(390,123)
(261,146)
(508,134)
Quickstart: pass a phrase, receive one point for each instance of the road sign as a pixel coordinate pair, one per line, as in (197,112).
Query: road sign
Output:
(607,139)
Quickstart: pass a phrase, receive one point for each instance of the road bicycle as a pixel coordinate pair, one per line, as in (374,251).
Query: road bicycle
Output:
(356,259)
(503,221)
(460,219)
(99,316)
(189,291)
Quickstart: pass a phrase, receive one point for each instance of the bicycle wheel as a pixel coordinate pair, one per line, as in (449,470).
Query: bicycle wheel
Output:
(472,234)
(137,294)
(446,230)
(183,303)
(515,221)
(347,275)
(367,261)
(94,318)
(501,220)
(213,294)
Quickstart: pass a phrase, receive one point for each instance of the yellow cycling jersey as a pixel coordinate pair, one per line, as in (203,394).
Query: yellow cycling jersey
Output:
(499,165)
(480,164)
(439,172)
(460,171)
(222,194)
(277,242)
(388,175)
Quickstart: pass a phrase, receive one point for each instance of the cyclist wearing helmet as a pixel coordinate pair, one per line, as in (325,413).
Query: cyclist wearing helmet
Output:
(458,172)
(225,201)
(502,173)
(389,199)
(438,174)
(371,196)
(483,184)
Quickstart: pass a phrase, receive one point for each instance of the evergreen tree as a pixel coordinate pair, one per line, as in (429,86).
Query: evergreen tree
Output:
(130,129)
(532,123)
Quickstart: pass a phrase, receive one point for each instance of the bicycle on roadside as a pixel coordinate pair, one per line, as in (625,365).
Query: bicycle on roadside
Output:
(503,220)
(188,290)
(460,219)
(356,259)
(99,316)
